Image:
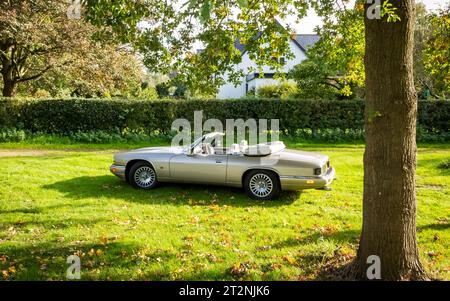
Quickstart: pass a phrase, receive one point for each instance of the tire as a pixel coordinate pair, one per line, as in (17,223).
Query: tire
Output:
(142,176)
(262,185)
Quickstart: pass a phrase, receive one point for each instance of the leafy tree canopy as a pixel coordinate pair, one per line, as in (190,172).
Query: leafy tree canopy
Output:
(42,51)
(437,52)
(169,33)
(335,64)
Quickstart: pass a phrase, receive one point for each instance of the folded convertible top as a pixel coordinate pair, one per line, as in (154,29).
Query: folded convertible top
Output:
(264,149)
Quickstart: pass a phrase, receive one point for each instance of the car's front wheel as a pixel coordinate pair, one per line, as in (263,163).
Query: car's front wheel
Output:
(142,175)
(262,185)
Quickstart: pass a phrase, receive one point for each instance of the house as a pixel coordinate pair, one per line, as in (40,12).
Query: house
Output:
(251,81)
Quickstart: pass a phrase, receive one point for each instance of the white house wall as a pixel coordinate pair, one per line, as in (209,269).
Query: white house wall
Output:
(230,91)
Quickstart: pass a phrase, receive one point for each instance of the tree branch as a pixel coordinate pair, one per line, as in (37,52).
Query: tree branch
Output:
(33,77)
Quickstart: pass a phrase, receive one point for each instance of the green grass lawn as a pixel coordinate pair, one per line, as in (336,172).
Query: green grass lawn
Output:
(54,203)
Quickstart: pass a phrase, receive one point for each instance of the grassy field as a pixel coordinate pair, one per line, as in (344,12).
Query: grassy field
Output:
(61,200)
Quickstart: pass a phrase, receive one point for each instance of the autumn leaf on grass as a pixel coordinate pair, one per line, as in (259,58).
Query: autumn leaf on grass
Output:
(195,220)
(226,239)
(5,274)
(240,269)
(214,208)
(289,259)
(433,254)
(3,259)
(263,248)
(89,264)
(104,240)
(269,267)
(326,230)
(211,257)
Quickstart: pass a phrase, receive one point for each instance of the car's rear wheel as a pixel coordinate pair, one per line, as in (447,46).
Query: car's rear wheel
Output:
(142,176)
(262,185)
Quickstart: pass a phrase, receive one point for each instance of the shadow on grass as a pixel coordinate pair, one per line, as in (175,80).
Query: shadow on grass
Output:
(345,236)
(166,193)
(47,224)
(111,261)
(436,227)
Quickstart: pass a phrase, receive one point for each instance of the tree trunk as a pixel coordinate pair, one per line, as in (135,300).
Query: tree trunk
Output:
(8,87)
(6,70)
(389,204)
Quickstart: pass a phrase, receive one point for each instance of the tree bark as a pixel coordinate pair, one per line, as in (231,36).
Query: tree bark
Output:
(389,201)
(8,88)
(7,68)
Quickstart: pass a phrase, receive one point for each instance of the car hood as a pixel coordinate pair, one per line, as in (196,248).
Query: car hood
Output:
(303,156)
(161,149)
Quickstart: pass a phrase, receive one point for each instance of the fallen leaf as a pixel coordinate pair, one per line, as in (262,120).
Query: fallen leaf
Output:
(289,259)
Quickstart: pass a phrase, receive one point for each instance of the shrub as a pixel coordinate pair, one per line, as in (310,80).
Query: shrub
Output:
(282,90)
(12,135)
(330,120)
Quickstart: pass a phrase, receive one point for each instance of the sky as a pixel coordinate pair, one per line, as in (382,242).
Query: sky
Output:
(307,24)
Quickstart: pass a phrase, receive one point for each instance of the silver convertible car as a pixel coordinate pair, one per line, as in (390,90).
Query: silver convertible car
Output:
(263,170)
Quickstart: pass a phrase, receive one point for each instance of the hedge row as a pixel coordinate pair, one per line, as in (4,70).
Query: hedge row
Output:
(84,115)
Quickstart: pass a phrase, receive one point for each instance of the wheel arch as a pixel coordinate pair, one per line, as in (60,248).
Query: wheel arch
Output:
(246,172)
(134,161)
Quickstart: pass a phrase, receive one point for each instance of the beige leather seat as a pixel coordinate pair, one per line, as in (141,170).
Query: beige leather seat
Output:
(243,146)
(208,149)
(234,149)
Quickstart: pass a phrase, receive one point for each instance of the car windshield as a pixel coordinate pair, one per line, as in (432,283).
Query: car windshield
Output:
(206,137)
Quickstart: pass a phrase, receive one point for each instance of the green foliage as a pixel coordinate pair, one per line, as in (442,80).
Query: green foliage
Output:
(281,90)
(335,64)
(388,11)
(445,165)
(12,135)
(45,54)
(167,44)
(437,52)
(311,78)
(308,118)
(148,93)
(173,88)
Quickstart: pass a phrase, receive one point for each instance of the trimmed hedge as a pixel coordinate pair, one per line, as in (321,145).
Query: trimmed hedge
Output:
(84,115)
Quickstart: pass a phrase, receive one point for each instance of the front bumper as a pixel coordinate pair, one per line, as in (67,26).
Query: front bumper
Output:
(118,170)
(307,182)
